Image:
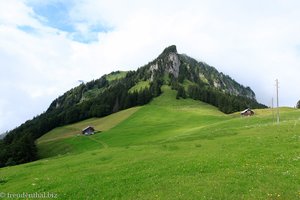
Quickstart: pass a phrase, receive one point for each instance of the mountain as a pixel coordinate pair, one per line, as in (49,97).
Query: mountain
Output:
(170,68)
(120,90)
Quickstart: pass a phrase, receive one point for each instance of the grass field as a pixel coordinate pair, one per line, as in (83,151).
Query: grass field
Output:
(140,86)
(116,75)
(169,149)
(69,139)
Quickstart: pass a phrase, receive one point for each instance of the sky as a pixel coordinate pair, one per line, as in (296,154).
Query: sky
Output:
(46,46)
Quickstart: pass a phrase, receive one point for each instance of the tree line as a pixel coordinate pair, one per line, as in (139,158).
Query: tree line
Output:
(225,102)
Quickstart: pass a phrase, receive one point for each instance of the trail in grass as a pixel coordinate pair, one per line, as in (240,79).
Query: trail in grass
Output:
(98,141)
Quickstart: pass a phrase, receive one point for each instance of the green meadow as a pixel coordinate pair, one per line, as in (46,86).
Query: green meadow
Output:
(168,149)
(140,86)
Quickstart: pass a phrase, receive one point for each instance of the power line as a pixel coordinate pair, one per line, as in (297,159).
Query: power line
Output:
(277,86)
(273,109)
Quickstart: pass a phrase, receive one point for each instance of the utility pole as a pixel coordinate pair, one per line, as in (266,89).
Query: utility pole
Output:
(277,86)
(273,109)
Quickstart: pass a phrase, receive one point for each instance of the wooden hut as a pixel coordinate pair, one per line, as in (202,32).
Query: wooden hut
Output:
(247,112)
(88,130)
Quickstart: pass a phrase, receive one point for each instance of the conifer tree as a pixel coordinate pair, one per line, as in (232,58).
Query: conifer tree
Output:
(298,104)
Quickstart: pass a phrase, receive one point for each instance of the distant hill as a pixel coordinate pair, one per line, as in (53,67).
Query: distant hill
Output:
(121,90)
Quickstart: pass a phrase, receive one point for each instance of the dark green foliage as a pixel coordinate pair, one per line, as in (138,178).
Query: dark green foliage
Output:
(226,103)
(298,104)
(183,73)
(155,88)
(180,92)
(195,71)
(19,150)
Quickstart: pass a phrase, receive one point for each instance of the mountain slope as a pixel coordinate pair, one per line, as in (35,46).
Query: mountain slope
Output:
(68,139)
(163,118)
(121,90)
(183,67)
(174,149)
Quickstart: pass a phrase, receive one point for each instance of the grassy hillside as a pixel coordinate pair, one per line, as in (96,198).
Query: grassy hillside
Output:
(140,86)
(69,139)
(169,149)
(116,75)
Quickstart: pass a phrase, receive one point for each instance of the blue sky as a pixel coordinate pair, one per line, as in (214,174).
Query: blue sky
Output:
(27,29)
(54,14)
(46,46)
(57,14)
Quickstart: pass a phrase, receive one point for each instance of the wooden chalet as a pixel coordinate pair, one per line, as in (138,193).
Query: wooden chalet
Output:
(88,130)
(247,112)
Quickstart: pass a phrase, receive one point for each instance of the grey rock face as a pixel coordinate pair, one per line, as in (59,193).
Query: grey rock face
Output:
(173,64)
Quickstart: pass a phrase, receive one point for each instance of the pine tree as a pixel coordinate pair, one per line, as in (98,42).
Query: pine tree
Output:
(180,92)
(116,106)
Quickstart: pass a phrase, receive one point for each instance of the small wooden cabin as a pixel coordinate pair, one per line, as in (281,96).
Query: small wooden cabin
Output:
(247,112)
(88,130)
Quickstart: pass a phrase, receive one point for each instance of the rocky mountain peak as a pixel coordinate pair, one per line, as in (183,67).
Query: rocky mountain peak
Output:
(168,61)
(170,49)
(172,64)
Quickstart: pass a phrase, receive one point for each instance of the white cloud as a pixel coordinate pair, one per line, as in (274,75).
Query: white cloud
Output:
(254,42)
(15,12)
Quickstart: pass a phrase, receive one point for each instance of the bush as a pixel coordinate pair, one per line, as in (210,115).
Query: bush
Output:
(298,104)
